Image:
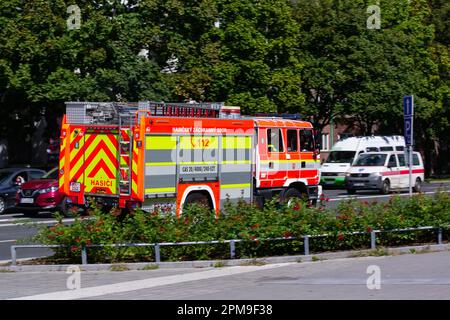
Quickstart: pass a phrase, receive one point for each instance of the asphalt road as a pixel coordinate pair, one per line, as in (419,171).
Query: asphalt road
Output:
(409,277)
(16,228)
(336,195)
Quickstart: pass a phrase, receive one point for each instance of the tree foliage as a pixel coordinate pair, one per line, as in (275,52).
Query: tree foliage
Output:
(317,58)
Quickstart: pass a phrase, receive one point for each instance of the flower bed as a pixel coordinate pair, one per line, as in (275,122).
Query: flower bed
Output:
(244,221)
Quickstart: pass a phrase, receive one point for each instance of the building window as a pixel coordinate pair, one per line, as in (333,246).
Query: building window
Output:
(325,142)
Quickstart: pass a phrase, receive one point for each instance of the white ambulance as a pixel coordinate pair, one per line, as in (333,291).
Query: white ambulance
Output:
(384,171)
(345,152)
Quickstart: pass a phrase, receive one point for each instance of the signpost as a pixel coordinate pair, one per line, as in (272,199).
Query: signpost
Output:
(408,114)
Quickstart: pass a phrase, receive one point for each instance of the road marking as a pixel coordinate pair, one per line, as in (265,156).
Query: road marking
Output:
(17,219)
(4,241)
(22,259)
(10,215)
(379,196)
(149,283)
(33,223)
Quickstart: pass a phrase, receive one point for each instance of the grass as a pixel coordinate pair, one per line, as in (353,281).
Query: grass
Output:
(119,267)
(150,267)
(437,180)
(253,263)
(218,264)
(6,271)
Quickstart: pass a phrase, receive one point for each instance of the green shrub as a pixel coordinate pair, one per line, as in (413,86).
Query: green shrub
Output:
(251,225)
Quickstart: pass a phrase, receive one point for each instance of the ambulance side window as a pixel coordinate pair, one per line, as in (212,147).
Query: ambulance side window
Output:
(274,140)
(292,141)
(392,162)
(401,160)
(306,140)
(416,160)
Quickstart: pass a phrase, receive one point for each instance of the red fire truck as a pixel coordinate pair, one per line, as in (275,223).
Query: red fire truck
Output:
(165,155)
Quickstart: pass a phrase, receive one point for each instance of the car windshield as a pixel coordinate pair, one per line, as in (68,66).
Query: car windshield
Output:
(371,160)
(341,157)
(4,175)
(52,174)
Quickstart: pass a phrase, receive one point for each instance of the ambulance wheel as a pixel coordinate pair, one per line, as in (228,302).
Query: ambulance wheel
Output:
(291,195)
(386,187)
(418,185)
(199,199)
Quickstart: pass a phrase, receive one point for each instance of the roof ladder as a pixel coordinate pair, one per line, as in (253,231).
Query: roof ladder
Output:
(125,154)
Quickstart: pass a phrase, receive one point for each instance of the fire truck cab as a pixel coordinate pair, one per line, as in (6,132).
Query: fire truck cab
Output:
(163,156)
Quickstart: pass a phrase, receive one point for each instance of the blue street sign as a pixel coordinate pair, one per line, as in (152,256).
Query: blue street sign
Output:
(408,107)
(408,131)
(408,112)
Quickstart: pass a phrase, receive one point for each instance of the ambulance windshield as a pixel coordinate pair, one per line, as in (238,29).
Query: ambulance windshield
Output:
(370,160)
(341,157)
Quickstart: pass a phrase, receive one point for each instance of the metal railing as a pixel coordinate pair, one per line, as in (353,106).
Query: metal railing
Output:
(232,243)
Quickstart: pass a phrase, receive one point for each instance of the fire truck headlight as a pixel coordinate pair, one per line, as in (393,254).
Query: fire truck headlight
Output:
(75,187)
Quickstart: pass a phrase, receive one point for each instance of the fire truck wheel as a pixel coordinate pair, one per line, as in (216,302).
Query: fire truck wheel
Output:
(198,199)
(292,195)
(65,208)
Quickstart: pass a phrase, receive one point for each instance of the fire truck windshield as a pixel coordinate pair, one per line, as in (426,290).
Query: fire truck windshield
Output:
(341,157)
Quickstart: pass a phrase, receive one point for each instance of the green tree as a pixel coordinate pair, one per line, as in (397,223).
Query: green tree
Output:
(241,52)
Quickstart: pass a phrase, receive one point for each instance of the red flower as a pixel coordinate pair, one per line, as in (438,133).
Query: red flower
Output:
(287,234)
(340,237)
(297,207)
(327,199)
(255,239)
(369,229)
(255,226)
(77,239)
(74,248)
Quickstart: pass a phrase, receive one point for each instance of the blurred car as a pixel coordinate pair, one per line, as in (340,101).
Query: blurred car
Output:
(10,181)
(40,195)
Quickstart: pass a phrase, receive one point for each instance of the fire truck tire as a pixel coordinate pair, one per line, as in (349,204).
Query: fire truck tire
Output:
(64,207)
(198,199)
(290,195)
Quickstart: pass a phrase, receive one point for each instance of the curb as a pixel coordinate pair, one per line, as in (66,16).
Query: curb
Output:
(230,263)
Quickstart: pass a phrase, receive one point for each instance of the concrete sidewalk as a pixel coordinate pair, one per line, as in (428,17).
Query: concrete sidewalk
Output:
(409,276)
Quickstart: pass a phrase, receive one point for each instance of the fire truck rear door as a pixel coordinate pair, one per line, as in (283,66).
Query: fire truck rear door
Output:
(101,162)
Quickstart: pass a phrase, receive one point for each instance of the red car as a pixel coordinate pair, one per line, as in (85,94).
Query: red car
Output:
(41,195)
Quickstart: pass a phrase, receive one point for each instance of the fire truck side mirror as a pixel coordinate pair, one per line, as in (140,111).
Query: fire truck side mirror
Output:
(317,140)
